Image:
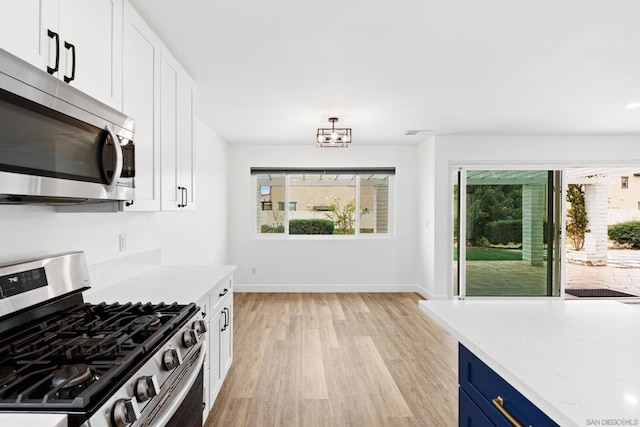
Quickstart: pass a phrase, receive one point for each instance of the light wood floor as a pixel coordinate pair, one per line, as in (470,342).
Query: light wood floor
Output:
(346,359)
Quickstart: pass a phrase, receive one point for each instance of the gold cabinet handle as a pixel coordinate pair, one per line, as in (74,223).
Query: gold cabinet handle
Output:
(498,402)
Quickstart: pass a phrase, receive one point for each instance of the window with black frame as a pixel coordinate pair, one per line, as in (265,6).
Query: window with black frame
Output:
(344,202)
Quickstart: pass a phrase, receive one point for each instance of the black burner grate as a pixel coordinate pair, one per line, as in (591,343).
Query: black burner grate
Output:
(109,339)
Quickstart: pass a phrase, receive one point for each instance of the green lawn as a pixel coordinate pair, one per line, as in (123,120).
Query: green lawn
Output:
(491,254)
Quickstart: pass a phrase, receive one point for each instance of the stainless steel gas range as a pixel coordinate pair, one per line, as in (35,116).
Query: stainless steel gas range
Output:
(130,364)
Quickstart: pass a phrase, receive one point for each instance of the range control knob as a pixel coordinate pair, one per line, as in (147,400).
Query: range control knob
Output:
(146,388)
(171,359)
(125,412)
(200,326)
(189,338)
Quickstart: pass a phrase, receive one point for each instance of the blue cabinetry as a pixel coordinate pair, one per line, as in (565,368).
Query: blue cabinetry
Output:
(486,399)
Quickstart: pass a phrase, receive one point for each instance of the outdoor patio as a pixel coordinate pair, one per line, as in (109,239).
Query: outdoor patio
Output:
(622,273)
(516,278)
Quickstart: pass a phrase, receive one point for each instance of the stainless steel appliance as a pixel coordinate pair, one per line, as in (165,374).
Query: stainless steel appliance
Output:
(57,144)
(131,364)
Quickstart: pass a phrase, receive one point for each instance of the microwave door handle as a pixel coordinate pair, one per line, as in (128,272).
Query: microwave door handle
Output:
(117,170)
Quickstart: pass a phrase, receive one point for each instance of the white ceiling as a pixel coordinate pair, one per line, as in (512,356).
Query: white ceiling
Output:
(271,72)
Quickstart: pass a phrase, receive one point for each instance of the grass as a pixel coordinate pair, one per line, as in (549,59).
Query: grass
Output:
(491,254)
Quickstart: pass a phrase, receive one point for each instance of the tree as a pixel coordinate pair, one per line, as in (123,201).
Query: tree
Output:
(577,216)
(343,216)
(489,203)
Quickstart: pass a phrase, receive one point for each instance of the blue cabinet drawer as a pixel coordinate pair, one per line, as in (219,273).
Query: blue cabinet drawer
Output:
(469,415)
(483,385)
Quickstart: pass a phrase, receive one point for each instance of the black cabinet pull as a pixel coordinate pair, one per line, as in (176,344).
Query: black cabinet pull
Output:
(181,204)
(224,292)
(186,196)
(68,46)
(55,36)
(228,317)
(224,325)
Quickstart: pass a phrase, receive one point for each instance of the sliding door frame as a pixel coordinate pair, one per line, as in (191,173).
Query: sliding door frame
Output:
(458,172)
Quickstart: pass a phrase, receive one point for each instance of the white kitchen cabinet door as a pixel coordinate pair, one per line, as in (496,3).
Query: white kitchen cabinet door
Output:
(176,111)
(28,28)
(226,339)
(186,154)
(215,379)
(93,29)
(141,101)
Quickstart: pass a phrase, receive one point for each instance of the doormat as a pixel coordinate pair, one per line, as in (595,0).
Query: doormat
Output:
(597,293)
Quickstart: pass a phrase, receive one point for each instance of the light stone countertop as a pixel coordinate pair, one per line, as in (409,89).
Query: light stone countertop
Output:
(578,361)
(33,420)
(168,284)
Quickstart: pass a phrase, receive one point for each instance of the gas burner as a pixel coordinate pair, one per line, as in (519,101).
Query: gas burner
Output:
(70,375)
(148,319)
(7,375)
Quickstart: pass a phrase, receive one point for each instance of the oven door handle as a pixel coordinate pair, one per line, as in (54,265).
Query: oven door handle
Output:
(165,415)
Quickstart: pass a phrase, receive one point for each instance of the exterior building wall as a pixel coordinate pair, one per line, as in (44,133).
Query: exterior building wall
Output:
(624,198)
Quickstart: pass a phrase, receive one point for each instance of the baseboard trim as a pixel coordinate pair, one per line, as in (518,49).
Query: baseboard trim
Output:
(429,295)
(324,288)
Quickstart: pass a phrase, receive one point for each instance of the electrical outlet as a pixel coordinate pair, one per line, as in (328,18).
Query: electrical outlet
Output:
(123,242)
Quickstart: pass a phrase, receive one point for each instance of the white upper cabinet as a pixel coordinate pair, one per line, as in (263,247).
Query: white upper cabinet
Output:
(141,101)
(28,30)
(78,41)
(177,113)
(93,29)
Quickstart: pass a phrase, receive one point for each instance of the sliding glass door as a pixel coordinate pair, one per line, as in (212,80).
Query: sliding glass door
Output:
(506,239)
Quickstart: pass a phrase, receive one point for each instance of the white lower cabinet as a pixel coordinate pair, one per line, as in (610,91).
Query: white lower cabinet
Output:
(218,309)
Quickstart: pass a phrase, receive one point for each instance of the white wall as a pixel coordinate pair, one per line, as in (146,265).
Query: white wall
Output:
(291,264)
(435,164)
(200,236)
(183,237)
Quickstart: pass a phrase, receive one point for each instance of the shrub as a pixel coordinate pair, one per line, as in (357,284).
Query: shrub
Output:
(626,233)
(504,231)
(310,226)
(265,228)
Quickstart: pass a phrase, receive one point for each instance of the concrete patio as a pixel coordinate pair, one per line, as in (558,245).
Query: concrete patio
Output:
(622,273)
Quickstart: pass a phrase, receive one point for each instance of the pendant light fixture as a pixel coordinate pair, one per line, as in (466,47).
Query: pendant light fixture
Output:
(333,136)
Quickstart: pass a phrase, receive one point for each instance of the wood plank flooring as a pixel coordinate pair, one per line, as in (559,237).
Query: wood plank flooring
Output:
(337,359)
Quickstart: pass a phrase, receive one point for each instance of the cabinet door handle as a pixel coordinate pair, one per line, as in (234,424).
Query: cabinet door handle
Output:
(186,196)
(224,324)
(55,36)
(498,402)
(68,46)
(228,316)
(224,292)
(181,204)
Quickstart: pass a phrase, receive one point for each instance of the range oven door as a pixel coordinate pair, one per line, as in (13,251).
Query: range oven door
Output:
(181,400)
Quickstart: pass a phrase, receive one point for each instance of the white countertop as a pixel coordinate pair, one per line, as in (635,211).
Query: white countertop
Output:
(578,361)
(168,284)
(33,420)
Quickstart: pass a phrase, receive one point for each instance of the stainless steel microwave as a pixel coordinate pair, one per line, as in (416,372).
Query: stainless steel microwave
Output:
(57,144)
